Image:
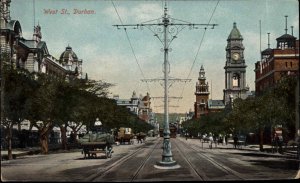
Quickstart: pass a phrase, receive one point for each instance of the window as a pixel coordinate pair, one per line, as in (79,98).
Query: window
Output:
(236,80)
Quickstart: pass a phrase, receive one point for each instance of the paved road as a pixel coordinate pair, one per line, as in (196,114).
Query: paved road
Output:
(137,162)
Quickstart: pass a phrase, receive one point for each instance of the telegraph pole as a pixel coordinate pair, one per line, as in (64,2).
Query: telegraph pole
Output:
(162,29)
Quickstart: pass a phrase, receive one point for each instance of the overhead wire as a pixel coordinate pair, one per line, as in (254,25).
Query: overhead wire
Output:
(132,50)
(203,35)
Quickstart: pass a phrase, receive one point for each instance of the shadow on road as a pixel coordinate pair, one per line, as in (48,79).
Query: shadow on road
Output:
(287,164)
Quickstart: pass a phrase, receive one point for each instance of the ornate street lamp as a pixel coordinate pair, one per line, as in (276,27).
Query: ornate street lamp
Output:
(97,124)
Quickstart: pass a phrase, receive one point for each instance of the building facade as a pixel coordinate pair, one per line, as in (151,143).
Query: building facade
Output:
(32,54)
(140,106)
(277,62)
(145,110)
(132,104)
(203,104)
(235,68)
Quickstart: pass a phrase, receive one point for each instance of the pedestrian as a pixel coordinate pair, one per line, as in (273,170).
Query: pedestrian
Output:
(211,140)
(235,141)
(226,139)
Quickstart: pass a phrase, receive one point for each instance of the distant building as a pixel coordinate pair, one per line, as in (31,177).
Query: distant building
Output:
(140,106)
(215,105)
(202,95)
(203,104)
(145,110)
(132,104)
(277,62)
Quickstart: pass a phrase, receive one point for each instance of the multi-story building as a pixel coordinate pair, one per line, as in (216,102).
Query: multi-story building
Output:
(32,54)
(203,104)
(132,104)
(140,106)
(277,62)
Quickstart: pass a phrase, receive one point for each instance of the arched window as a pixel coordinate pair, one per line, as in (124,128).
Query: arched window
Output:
(236,80)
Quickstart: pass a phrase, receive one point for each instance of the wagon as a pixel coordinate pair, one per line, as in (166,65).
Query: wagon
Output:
(91,149)
(123,138)
(92,144)
(124,135)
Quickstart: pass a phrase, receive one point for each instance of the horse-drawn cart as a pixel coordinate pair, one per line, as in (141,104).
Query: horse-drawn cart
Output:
(97,143)
(125,135)
(141,137)
(92,148)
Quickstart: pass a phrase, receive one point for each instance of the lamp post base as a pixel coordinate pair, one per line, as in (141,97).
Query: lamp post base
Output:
(166,165)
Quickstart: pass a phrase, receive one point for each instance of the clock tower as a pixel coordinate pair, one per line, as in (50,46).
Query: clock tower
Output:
(202,94)
(235,67)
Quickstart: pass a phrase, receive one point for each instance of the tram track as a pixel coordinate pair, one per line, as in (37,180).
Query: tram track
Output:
(144,163)
(122,160)
(198,173)
(220,166)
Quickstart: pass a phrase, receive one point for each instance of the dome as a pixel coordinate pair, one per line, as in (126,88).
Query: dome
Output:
(146,98)
(235,33)
(286,36)
(68,54)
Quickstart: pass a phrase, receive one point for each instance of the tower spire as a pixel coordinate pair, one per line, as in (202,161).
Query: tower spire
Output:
(286,24)
(166,9)
(5,12)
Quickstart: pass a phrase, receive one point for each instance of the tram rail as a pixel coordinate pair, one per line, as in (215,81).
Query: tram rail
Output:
(114,165)
(226,169)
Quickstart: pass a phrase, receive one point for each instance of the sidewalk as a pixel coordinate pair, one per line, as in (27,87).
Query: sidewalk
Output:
(18,152)
(21,151)
(289,153)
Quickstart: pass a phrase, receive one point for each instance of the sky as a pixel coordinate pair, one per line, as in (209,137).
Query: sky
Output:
(124,58)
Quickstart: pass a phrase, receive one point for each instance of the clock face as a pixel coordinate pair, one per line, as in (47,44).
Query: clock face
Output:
(235,56)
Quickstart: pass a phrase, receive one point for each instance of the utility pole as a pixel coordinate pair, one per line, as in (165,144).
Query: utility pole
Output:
(161,30)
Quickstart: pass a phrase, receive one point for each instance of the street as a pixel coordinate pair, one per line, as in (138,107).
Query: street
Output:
(137,162)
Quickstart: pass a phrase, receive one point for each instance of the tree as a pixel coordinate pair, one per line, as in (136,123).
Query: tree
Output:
(44,103)
(18,87)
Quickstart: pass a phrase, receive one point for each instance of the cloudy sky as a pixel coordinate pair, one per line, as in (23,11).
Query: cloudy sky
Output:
(111,55)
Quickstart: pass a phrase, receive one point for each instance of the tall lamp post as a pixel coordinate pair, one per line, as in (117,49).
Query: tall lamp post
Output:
(162,28)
